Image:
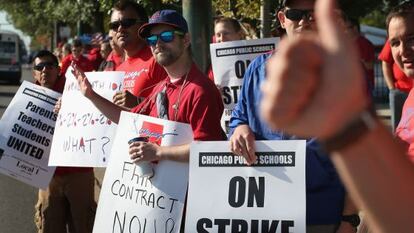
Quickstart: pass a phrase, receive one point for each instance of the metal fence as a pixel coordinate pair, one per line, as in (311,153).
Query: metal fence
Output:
(380,92)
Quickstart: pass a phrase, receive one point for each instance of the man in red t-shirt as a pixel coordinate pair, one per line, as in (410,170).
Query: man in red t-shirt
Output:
(94,54)
(366,50)
(77,57)
(142,71)
(116,57)
(398,84)
(68,202)
(192,97)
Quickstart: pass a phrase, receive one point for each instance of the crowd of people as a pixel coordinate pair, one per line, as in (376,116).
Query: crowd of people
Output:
(314,87)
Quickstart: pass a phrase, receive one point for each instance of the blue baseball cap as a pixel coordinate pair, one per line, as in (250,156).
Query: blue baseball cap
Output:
(165,17)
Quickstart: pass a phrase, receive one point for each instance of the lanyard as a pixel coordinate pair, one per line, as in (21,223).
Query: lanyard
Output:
(175,106)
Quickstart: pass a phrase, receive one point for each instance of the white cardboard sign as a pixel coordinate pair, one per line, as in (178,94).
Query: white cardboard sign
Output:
(132,203)
(229,62)
(84,135)
(26,132)
(226,195)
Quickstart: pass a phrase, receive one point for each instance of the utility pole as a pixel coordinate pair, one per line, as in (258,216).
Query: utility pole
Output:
(265,19)
(198,16)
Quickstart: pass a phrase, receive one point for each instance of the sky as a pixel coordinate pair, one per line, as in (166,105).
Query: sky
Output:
(5,25)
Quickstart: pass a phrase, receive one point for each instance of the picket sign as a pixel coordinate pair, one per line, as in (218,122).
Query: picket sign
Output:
(229,62)
(130,202)
(26,132)
(84,136)
(226,195)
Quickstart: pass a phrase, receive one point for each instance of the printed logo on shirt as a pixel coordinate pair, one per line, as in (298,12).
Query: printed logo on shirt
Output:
(131,77)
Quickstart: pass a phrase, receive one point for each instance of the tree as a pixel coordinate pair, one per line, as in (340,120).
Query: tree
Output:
(35,17)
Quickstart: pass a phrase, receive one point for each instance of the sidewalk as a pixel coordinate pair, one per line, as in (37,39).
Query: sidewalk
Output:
(384,113)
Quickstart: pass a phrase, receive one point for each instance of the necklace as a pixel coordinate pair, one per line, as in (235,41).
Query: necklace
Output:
(176,105)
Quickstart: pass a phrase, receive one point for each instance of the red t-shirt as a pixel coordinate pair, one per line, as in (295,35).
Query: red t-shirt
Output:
(94,56)
(200,104)
(210,73)
(142,73)
(401,82)
(82,62)
(366,53)
(114,60)
(405,129)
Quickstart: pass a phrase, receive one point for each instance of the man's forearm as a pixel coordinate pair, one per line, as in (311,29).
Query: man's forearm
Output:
(109,109)
(176,153)
(379,178)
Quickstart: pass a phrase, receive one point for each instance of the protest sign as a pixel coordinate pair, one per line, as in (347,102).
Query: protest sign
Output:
(84,135)
(26,131)
(226,195)
(229,62)
(131,202)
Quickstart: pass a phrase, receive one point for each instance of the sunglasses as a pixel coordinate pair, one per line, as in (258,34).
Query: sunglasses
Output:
(41,66)
(166,37)
(297,15)
(125,23)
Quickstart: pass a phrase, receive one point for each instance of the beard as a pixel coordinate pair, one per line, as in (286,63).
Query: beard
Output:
(166,56)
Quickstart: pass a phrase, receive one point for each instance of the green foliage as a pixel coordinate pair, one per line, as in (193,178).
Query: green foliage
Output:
(360,8)
(37,17)
(376,19)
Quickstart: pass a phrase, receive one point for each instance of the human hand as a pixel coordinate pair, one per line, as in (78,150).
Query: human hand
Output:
(326,66)
(125,99)
(144,151)
(58,105)
(84,84)
(242,143)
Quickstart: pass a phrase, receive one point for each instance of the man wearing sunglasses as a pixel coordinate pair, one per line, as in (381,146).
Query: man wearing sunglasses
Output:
(142,71)
(68,202)
(326,202)
(372,162)
(190,96)
(46,71)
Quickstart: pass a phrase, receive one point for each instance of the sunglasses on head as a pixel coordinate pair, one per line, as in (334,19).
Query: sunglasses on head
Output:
(125,23)
(41,66)
(166,37)
(297,15)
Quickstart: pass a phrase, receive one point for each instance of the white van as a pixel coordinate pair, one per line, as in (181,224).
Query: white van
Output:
(10,61)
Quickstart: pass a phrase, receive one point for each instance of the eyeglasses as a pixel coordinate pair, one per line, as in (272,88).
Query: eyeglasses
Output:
(125,23)
(166,37)
(296,14)
(41,66)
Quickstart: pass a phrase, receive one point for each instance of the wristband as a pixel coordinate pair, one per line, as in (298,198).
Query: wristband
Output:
(366,121)
(353,219)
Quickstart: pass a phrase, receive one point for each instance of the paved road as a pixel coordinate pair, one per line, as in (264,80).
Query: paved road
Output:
(18,199)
